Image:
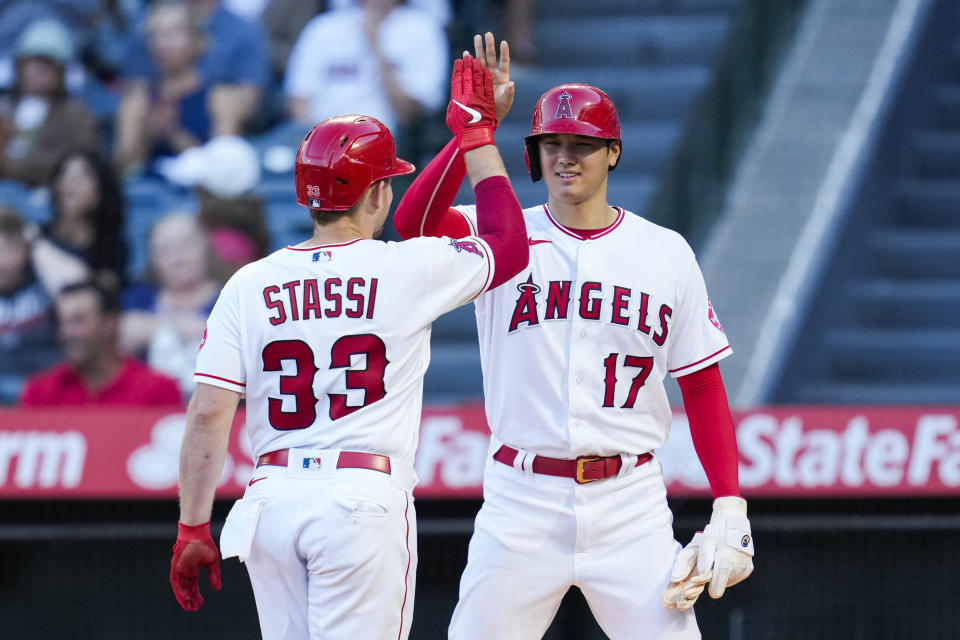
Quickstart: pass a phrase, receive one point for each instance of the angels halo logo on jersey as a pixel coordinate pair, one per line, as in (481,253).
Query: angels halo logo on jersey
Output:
(713,316)
(466,245)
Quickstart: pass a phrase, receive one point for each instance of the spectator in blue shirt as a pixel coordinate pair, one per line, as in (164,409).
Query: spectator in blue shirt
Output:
(235,55)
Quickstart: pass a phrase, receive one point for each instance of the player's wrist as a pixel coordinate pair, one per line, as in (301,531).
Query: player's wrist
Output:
(730,503)
(475,137)
(191,532)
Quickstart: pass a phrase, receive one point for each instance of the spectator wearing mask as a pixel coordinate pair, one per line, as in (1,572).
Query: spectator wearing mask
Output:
(39,121)
(94,371)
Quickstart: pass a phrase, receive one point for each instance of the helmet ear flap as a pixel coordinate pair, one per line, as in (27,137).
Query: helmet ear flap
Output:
(531,155)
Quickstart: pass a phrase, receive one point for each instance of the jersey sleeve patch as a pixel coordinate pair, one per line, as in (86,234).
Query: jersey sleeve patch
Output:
(467,246)
(712,316)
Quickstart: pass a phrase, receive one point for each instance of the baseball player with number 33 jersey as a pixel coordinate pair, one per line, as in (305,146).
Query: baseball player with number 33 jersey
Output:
(574,351)
(329,340)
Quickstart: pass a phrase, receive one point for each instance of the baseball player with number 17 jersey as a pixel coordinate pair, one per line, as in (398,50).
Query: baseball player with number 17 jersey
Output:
(574,351)
(329,340)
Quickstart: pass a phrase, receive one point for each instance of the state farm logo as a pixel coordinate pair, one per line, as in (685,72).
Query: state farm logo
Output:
(156,465)
(450,454)
(786,454)
(795,454)
(42,459)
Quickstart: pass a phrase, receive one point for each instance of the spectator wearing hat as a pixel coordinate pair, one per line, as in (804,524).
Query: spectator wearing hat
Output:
(39,121)
(94,371)
(223,174)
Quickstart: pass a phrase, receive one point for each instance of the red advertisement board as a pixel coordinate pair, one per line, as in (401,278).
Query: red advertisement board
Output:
(809,451)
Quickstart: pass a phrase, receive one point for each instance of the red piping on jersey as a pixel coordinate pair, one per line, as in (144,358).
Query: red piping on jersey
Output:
(566,230)
(207,375)
(406,576)
(469,222)
(693,364)
(490,270)
(324,246)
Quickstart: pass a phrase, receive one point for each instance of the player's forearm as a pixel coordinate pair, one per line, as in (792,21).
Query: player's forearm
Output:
(209,418)
(711,428)
(500,224)
(424,209)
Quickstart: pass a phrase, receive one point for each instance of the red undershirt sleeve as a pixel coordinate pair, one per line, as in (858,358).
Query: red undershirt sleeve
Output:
(711,428)
(425,209)
(500,223)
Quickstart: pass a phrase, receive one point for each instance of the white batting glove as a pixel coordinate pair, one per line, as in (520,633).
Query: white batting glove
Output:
(727,547)
(686,583)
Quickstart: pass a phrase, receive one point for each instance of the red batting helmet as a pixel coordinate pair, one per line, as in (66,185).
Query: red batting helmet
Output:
(340,158)
(571,108)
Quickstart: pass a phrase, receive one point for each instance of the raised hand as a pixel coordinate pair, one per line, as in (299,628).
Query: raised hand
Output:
(471,113)
(485,51)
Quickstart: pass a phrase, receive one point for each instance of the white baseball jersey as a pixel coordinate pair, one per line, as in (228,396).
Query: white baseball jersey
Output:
(575,348)
(574,352)
(330,343)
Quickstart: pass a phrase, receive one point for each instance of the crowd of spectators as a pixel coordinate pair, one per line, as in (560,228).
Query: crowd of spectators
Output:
(103,100)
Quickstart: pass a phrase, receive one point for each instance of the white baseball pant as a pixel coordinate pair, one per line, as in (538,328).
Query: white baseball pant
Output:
(537,535)
(332,555)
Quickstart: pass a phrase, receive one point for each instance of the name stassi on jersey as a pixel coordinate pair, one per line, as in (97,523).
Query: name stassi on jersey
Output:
(313,299)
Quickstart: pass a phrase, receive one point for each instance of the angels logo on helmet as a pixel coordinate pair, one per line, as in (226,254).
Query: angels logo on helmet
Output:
(563,108)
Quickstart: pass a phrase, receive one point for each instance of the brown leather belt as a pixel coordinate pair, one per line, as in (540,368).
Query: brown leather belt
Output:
(346,460)
(583,469)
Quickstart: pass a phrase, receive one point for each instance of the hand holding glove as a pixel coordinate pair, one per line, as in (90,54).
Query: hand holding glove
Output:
(721,555)
(471,113)
(686,583)
(193,550)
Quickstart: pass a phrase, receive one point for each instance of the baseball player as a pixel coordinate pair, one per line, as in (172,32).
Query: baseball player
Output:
(329,340)
(574,351)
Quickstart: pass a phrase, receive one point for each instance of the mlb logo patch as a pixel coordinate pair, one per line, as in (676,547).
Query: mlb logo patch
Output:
(323,256)
(311,463)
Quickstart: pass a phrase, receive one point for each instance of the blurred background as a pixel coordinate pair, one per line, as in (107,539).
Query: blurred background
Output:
(809,150)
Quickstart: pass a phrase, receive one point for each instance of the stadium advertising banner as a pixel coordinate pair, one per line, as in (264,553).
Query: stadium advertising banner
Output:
(784,452)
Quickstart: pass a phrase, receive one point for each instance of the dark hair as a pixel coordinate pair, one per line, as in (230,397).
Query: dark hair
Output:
(324,217)
(107,299)
(11,222)
(109,250)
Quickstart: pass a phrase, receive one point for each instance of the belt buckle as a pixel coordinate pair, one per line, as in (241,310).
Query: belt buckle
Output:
(579,475)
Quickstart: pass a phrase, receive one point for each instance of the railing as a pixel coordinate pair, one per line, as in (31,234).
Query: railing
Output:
(691,190)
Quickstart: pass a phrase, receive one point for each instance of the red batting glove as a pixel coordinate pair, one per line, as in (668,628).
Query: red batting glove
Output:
(471,114)
(193,550)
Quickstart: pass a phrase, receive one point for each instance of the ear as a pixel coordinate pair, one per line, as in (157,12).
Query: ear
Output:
(613,153)
(378,193)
